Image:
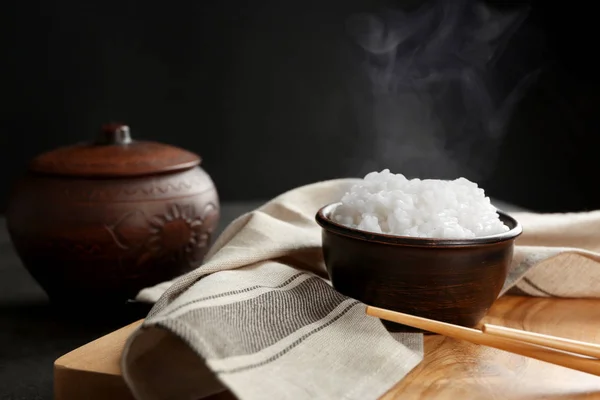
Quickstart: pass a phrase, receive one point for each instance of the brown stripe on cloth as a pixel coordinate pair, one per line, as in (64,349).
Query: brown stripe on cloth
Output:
(233,292)
(292,345)
(248,326)
(539,289)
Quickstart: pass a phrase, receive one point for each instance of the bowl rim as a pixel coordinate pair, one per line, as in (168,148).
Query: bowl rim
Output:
(322,218)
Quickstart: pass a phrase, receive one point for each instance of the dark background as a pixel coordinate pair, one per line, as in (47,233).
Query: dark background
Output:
(276,94)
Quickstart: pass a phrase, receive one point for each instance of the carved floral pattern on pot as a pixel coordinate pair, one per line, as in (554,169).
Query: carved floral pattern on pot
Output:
(178,234)
(176,230)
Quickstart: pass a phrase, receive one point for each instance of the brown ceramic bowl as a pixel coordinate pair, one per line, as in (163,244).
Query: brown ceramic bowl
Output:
(454,281)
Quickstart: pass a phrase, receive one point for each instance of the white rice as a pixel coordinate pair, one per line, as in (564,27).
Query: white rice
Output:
(389,203)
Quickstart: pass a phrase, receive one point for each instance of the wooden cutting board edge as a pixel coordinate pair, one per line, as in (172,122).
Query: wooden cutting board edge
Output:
(93,371)
(94,365)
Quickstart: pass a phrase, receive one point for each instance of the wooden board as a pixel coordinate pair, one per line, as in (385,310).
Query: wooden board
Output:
(451,369)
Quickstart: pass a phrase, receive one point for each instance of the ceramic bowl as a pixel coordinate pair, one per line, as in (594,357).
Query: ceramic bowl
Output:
(454,281)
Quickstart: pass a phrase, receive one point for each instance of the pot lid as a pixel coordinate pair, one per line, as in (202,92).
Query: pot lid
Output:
(114,154)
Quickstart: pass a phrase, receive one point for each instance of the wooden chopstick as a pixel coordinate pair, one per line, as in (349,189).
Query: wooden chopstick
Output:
(573,346)
(584,364)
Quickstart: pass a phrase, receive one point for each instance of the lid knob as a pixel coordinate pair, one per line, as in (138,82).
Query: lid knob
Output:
(114,134)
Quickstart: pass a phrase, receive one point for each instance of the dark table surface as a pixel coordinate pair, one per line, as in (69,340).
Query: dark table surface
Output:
(33,334)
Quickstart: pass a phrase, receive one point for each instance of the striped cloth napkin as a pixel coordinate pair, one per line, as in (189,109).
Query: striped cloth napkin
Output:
(260,319)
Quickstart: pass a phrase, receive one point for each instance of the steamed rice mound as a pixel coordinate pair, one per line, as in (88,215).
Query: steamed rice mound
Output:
(389,203)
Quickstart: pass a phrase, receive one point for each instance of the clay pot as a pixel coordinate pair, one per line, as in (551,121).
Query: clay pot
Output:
(99,221)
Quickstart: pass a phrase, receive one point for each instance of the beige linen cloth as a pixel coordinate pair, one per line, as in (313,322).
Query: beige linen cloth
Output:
(260,319)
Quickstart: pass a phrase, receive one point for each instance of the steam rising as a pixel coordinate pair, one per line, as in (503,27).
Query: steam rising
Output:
(438,109)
